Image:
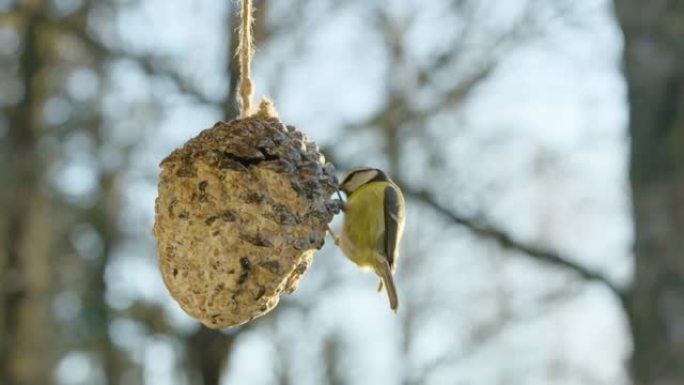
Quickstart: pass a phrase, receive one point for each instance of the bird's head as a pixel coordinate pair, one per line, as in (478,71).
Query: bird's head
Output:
(361,176)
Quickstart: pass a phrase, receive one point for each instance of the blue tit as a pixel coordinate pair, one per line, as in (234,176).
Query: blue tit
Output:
(374,216)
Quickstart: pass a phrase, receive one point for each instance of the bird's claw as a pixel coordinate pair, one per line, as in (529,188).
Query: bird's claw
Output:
(336,206)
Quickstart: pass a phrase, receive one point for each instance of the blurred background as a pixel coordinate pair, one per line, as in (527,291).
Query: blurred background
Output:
(540,144)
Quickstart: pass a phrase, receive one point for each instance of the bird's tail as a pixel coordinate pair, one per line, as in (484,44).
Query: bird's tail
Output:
(385,274)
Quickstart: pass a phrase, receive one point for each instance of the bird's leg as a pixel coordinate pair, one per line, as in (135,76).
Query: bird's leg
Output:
(336,205)
(335,238)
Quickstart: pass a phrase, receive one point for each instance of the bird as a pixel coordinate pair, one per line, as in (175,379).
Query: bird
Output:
(373,224)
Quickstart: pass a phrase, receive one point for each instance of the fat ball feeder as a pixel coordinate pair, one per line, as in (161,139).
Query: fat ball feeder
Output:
(241,209)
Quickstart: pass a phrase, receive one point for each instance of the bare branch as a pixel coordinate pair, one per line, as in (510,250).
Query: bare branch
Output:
(504,239)
(488,231)
(150,64)
(488,331)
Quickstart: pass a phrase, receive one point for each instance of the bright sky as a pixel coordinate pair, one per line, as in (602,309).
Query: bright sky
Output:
(540,150)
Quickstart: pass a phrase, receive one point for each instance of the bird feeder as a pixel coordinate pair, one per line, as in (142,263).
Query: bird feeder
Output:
(242,208)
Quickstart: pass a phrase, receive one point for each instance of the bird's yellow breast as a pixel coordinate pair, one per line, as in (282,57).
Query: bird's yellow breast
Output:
(363,227)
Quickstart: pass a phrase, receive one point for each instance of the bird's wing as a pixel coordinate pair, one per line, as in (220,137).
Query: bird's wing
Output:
(392,213)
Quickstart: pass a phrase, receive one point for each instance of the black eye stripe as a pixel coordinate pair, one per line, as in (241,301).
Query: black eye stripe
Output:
(348,178)
(350,184)
(379,177)
(351,175)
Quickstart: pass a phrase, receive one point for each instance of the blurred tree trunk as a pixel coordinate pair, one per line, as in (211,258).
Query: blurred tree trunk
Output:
(25,234)
(207,352)
(654,69)
(101,216)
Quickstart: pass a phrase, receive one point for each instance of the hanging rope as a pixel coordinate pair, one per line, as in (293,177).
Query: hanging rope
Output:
(245,51)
